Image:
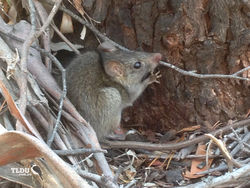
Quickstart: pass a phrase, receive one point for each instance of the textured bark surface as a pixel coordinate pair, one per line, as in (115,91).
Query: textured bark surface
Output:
(208,36)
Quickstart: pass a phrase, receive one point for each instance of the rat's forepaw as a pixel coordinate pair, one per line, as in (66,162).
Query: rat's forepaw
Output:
(154,76)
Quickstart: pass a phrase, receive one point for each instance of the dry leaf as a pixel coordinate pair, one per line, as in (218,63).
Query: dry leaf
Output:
(155,162)
(17,173)
(138,162)
(4,8)
(16,146)
(189,129)
(78,6)
(83,32)
(66,24)
(12,15)
(201,150)
(14,110)
(130,174)
(248,114)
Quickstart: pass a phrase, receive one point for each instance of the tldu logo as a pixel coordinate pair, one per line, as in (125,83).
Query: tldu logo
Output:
(21,171)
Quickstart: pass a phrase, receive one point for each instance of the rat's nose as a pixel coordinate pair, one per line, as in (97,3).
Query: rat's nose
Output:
(157,57)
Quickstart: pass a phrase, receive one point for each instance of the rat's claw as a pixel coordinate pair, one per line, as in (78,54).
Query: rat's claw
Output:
(154,77)
(156,81)
(158,74)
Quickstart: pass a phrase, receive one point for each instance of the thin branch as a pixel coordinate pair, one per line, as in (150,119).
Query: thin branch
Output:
(46,35)
(22,82)
(230,160)
(49,19)
(221,167)
(172,146)
(228,178)
(65,39)
(101,180)
(191,73)
(242,70)
(130,184)
(78,151)
(89,26)
(245,138)
(33,37)
(166,155)
(64,92)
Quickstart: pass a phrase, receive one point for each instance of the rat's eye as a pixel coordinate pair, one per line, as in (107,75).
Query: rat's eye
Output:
(137,65)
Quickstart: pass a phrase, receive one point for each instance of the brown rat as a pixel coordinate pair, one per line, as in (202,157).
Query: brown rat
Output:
(102,83)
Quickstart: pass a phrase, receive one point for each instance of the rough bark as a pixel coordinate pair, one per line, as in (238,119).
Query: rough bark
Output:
(208,36)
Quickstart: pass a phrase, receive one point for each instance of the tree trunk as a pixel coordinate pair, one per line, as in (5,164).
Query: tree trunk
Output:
(206,36)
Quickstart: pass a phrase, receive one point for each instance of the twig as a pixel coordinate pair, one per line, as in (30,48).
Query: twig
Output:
(102,180)
(22,82)
(238,139)
(242,70)
(65,39)
(49,19)
(164,156)
(229,178)
(221,167)
(32,38)
(64,92)
(190,73)
(46,125)
(130,184)
(238,147)
(10,35)
(118,172)
(230,160)
(172,146)
(86,134)
(52,57)
(91,139)
(246,148)
(89,26)
(76,166)
(46,35)
(78,151)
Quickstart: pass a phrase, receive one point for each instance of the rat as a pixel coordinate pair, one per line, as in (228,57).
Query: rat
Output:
(101,83)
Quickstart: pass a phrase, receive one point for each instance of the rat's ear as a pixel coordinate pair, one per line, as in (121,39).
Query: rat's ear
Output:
(114,68)
(106,47)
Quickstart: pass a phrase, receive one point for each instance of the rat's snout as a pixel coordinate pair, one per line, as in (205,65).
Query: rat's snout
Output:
(157,57)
